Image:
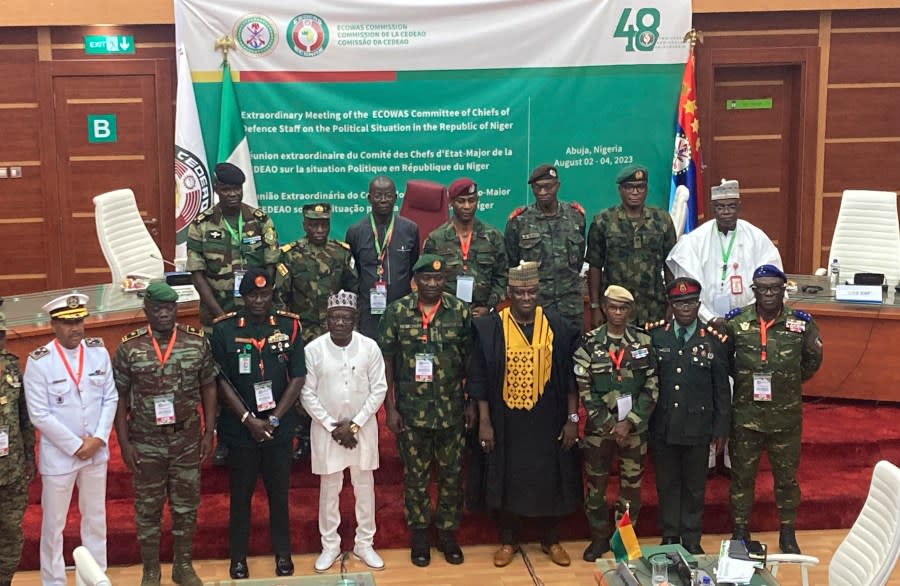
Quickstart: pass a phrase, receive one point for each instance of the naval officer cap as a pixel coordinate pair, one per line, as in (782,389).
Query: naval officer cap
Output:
(229,174)
(72,307)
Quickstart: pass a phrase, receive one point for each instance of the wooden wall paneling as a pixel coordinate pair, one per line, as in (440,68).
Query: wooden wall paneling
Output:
(762,21)
(165,124)
(843,19)
(865,57)
(739,40)
(831,204)
(863,112)
(862,165)
(151,41)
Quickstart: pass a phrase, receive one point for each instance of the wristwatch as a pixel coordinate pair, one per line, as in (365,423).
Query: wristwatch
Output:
(274,421)
(354,428)
(573,417)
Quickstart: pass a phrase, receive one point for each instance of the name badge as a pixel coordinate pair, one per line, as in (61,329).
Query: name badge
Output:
(640,353)
(424,368)
(465,284)
(244,363)
(4,441)
(265,400)
(762,386)
(795,325)
(737,285)
(623,405)
(238,277)
(251,239)
(164,407)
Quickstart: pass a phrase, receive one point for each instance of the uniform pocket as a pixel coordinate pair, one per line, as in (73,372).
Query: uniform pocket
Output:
(575,249)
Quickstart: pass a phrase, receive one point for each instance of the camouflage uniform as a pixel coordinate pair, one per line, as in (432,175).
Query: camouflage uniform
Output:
(432,412)
(210,248)
(169,454)
(632,254)
(600,388)
(306,275)
(13,479)
(557,243)
(487,262)
(793,355)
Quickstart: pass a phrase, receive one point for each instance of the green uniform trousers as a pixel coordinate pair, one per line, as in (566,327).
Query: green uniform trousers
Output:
(783,449)
(598,455)
(420,448)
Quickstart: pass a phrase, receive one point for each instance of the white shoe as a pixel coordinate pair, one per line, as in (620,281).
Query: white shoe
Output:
(368,556)
(326,559)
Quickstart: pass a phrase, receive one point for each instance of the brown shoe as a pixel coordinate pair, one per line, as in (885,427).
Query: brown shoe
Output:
(504,556)
(557,554)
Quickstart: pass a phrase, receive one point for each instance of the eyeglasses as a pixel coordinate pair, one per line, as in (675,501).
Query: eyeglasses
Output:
(634,187)
(772,290)
(333,319)
(691,304)
(618,308)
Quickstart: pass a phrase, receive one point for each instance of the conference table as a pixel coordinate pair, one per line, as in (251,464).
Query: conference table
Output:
(606,572)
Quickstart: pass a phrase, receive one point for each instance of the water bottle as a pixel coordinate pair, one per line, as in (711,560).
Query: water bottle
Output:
(834,278)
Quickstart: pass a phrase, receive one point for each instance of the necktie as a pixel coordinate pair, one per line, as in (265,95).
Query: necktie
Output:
(682,337)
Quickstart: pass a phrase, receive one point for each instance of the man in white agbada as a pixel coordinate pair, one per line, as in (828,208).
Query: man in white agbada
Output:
(345,386)
(722,255)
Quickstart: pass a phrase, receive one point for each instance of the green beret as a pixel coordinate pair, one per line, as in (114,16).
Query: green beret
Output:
(317,211)
(160,292)
(632,173)
(429,263)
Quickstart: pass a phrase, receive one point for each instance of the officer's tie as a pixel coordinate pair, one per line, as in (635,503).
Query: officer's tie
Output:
(682,337)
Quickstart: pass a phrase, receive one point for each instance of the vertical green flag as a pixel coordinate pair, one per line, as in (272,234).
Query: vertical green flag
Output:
(233,146)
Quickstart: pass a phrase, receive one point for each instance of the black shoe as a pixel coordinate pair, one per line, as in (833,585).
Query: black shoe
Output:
(239,570)
(448,546)
(420,550)
(787,541)
(284,566)
(694,548)
(220,457)
(740,533)
(595,550)
(670,541)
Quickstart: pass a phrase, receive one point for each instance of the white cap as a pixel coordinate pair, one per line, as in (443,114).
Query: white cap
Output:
(68,307)
(728,189)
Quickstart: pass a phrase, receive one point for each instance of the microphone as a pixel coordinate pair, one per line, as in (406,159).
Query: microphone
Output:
(157,257)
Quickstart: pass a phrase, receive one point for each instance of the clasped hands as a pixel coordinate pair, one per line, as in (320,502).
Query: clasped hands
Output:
(343,435)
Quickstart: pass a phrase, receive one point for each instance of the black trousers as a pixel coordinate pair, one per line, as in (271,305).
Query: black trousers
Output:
(510,526)
(245,463)
(681,486)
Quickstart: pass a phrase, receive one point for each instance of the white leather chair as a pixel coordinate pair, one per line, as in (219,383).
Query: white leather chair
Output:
(868,554)
(679,209)
(87,571)
(127,245)
(867,235)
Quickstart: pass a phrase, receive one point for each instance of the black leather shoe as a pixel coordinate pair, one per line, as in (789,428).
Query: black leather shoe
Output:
(787,541)
(741,533)
(448,546)
(694,548)
(420,550)
(595,550)
(284,566)
(239,570)
(670,541)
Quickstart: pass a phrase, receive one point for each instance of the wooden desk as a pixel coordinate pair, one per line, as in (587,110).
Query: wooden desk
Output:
(113,313)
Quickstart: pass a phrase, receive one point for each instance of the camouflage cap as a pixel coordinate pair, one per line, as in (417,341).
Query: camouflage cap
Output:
(317,211)
(160,292)
(229,174)
(255,278)
(544,171)
(429,263)
(728,189)
(618,293)
(524,275)
(462,186)
(632,173)
(683,288)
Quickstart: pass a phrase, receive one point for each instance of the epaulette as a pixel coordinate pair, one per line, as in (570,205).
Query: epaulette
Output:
(259,213)
(192,330)
(283,313)
(800,314)
(134,334)
(224,317)
(516,213)
(288,247)
(733,313)
(652,325)
(344,244)
(722,337)
(577,207)
(282,269)
(93,342)
(202,216)
(39,353)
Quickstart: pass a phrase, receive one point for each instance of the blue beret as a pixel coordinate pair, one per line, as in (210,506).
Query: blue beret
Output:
(769,271)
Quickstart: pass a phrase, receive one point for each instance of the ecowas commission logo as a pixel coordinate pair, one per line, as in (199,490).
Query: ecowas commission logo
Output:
(307,35)
(641,29)
(192,188)
(256,35)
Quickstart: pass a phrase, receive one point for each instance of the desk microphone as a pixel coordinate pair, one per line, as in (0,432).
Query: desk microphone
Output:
(157,257)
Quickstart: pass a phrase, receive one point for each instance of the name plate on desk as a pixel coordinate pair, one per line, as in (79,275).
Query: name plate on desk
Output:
(858,293)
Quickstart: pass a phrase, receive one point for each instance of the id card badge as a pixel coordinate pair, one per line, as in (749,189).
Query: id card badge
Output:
(164,407)
(238,277)
(424,368)
(623,405)
(721,304)
(736,282)
(465,284)
(377,301)
(244,363)
(762,386)
(265,400)
(4,441)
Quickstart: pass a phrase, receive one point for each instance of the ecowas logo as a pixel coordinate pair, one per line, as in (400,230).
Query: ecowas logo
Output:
(307,35)
(256,35)
(641,30)
(192,188)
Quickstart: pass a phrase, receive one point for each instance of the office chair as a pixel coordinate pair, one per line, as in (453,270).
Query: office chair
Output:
(128,247)
(867,234)
(426,204)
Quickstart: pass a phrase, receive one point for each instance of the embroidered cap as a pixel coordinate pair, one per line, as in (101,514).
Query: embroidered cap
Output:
(429,263)
(317,211)
(342,299)
(728,189)
(769,271)
(524,275)
(72,307)
(683,288)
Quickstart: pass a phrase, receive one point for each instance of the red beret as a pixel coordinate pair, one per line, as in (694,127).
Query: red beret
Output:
(462,186)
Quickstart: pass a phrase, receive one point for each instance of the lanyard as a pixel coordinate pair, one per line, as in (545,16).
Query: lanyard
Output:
(259,344)
(617,362)
(726,253)
(465,244)
(235,236)
(763,327)
(427,318)
(381,247)
(159,354)
(76,377)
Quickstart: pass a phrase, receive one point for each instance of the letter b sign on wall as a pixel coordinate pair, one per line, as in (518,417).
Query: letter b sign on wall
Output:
(101,128)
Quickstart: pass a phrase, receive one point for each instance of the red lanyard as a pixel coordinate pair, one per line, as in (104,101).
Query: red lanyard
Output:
(381,247)
(76,378)
(259,344)
(763,327)
(159,354)
(617,362)
(427,318)
(465,244)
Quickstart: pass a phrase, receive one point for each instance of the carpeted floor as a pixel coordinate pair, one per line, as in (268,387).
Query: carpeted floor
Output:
(842,441)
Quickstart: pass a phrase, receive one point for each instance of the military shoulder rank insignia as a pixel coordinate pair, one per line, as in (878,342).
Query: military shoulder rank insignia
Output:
(709,328)
(223,317)
(288,247)
(93,342)
(343,244)
(797,326)
(259,213)
(652,325)
(283,313)
(800,314)
(202,216)
(192,330)
(516,213)
(733,313)
(282,270)
(577,207)
(134,334)
(39,353)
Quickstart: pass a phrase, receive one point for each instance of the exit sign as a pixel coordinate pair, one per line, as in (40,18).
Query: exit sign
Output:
(109,44)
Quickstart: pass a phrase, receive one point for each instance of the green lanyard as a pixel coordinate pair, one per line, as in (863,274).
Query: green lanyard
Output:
(726,253)
(381,246)
(236,236)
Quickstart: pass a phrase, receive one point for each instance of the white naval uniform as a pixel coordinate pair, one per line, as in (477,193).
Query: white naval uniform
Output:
(64,413)
(344,383)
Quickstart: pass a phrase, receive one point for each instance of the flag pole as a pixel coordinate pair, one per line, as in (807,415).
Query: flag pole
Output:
(226,43)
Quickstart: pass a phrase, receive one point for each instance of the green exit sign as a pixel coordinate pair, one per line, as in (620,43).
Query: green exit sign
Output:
(109,44)
(756,104)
